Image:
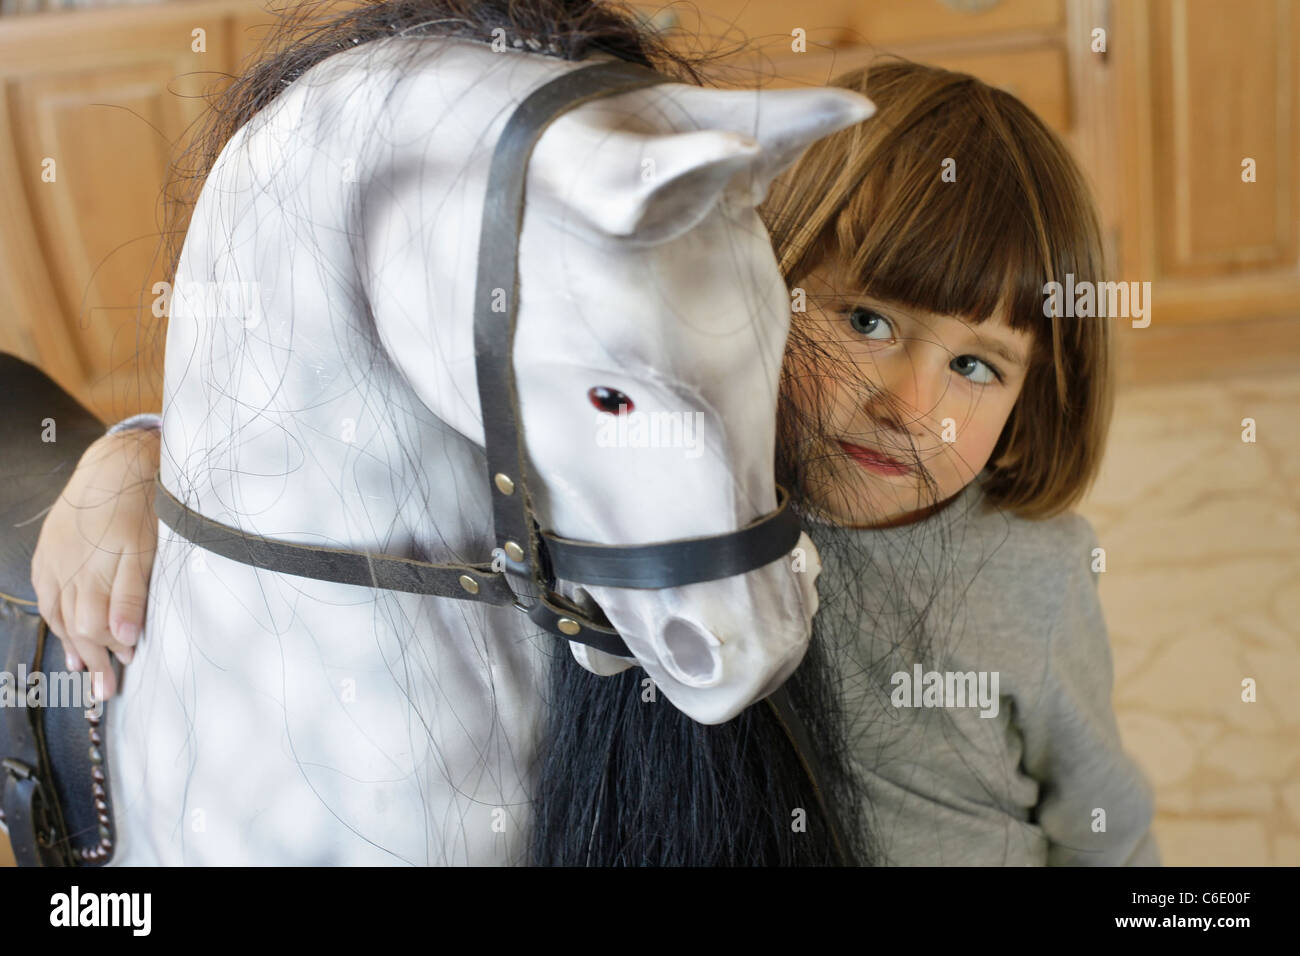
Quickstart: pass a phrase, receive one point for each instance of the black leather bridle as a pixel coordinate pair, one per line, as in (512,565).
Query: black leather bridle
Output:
(529,557)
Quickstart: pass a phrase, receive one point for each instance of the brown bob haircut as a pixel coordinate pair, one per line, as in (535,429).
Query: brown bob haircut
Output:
(1019,215)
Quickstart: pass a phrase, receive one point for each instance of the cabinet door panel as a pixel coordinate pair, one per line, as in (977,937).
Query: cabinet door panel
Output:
(724,26)
(95,107)
(94,130)
(1223,89)
(908,21)
(1037,76)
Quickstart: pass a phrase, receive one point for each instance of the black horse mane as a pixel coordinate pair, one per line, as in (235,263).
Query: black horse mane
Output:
(624,777)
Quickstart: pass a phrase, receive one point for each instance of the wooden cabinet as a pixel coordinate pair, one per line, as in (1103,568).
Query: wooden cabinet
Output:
(1162,120)
(1205,87)
(95,104)
(1037,75)
(1038,50)
(1018,45)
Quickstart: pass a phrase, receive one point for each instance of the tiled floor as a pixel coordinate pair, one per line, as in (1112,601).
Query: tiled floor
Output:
(1201,592)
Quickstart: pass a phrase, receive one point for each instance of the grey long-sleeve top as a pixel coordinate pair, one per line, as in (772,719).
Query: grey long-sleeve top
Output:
(1042,780)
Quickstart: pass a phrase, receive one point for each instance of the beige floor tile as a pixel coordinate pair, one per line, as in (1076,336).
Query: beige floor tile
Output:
(1286,851)
(1208,841)
(1202,590)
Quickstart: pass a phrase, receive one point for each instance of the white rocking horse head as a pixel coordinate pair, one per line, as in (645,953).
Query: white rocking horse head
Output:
(645,355)
(652,324)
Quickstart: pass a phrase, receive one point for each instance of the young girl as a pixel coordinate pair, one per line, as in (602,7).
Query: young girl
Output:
(943,424)
(938,425)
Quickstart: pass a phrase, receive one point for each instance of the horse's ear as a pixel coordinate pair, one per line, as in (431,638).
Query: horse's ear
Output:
(650,188)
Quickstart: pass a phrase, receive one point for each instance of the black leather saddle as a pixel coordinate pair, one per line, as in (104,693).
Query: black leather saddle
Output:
(54,793)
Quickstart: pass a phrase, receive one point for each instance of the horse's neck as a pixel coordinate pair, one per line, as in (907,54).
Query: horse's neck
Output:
(298,414)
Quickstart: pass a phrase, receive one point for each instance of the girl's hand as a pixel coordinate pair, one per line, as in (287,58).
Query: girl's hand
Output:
(95,553)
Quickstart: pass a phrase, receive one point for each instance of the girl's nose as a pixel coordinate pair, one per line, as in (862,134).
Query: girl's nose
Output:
(915,383)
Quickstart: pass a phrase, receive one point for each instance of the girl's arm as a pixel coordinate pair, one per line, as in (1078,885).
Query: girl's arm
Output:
(1095,803)
(95,553)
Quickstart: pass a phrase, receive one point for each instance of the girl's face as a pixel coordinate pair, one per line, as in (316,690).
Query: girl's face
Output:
(888,382)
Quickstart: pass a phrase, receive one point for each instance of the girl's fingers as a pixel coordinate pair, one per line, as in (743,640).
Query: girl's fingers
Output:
(60,606)
(72,641)
(49,601)
(127,604)
(90,631)
(51,607)
(90,626)
(86,567)
(97,662)
(70,654)
(67,607)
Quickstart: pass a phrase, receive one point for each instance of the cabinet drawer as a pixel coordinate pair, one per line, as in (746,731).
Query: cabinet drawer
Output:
(1037,76)
(727,25)
(849,22)
(897,22)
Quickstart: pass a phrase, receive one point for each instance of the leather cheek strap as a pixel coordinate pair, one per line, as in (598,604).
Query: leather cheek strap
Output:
(657,565)
(497,298)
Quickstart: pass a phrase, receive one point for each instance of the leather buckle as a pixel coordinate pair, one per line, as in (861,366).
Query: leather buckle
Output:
(35,804)
(19,770)
(551,610)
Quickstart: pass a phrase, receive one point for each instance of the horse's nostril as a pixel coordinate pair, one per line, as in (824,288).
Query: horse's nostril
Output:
(690,652)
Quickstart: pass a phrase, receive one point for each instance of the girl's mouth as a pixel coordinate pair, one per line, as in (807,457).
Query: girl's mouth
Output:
(875,461)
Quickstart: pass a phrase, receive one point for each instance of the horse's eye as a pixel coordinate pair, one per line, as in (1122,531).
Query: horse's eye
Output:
(609,400)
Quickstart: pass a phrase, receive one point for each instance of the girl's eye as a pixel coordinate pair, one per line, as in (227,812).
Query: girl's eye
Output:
(870,323)
(965,364)
(609,400)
